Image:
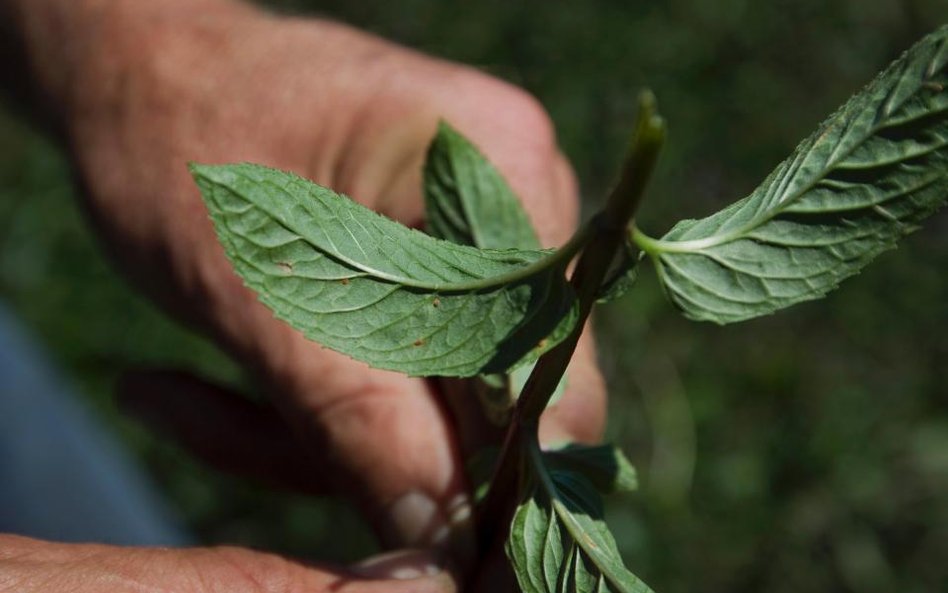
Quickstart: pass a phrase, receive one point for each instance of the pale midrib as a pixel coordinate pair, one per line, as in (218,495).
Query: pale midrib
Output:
(544,263)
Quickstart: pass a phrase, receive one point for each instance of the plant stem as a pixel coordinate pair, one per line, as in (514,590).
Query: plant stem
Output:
(609,234)
(561,256)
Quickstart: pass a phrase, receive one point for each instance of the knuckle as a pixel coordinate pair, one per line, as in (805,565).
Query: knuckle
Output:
(509,107)
(519,137)
(519,110)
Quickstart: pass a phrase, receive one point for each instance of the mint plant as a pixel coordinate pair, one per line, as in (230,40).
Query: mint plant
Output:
(477,297)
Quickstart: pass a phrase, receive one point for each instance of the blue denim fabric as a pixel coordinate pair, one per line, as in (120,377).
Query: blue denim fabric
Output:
(62,476)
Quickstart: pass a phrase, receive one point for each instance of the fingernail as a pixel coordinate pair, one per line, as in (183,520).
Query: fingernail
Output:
(413,520)
(401,565)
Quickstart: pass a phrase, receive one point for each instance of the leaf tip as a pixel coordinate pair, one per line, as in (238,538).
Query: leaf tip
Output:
(444,126)
(223,174)
(195,168)
(204,174)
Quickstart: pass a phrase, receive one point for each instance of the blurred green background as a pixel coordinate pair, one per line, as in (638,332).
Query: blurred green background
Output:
(803,452)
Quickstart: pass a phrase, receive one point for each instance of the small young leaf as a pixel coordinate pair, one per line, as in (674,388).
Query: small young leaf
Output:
(368,287)
(606,466)
(868,176)
(468,201)
(559,541)
(622,278)
(517,380)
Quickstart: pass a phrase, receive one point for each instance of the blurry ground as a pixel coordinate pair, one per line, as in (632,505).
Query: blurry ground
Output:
(803,452)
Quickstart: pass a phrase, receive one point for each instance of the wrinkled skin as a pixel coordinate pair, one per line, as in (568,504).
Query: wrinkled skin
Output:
(28,565)
(161,84)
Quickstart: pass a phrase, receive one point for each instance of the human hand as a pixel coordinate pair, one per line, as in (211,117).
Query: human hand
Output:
(213,81)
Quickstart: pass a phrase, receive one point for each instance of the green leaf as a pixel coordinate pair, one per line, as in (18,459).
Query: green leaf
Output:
(606,466)
(368,287)
(468,201)
(622,277)
(868,176)
(559,541)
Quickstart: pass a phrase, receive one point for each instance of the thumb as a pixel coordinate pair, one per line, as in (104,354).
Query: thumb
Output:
(34,566)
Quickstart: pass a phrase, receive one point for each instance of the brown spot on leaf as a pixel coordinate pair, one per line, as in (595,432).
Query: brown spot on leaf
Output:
(285,267)
(542,344)
(589,542)
(419,342)
(826,132)
(436,302)
(344,282)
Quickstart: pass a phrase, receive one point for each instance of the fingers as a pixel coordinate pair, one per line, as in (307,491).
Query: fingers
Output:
(387,443)
(380,440)
(221,428)
(33,566)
